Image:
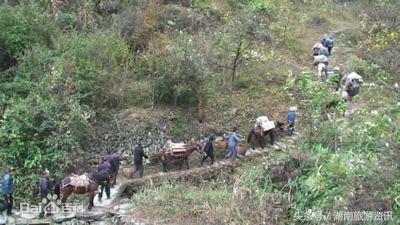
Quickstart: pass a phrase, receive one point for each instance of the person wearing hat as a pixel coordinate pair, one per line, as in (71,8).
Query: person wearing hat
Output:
(44,190)
(8,189)
(138,155)
(291,119)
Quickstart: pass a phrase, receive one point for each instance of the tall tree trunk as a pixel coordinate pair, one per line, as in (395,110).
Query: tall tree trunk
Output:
(238,52)
(200,105)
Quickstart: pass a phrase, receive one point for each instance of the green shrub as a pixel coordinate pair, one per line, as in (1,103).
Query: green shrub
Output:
(174,17)
(67,21)
(21,27)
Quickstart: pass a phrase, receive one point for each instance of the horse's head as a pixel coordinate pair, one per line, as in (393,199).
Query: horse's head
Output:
(197,147)
(280,125)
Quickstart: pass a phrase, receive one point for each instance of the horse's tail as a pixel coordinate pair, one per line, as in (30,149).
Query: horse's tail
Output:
(57,188)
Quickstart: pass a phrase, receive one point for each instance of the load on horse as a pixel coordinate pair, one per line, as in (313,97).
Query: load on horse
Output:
(262,127)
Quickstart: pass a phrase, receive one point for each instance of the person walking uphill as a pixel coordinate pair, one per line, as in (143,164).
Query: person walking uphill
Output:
(8,189)
(44,190)
(114,160)
(232,144)
(138,156)
(209,150)
(104,166)
(291,119)
(329,43)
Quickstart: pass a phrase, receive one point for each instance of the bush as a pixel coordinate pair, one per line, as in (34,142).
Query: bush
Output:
(141,93)
(21,28)
(67,21)
(174,17)
(96,67)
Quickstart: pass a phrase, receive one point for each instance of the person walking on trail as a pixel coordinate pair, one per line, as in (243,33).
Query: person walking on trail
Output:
(44,190)
(352,85)
(329,43)
(232,144)
(138,156)
(114,160)
(104,167)
(318,48)
(336,78)
(291,119)
(8,189)
(208,150)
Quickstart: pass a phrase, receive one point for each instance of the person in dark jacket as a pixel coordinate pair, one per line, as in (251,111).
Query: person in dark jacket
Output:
(104,167)
(209,150)
(44,190)
(113,159)
(8,189)
(138,155)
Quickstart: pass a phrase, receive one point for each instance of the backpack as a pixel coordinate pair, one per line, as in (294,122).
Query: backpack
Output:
(329,42)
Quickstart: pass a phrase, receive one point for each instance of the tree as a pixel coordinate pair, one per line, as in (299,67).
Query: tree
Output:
(187,72)
(232,45)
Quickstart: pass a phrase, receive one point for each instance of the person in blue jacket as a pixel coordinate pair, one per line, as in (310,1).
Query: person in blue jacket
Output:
(291,119)
(232,144)
(8,189)
(329,43)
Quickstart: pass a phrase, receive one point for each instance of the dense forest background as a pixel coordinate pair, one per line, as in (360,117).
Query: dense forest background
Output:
(71,68)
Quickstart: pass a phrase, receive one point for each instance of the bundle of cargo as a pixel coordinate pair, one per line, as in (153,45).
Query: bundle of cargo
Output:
(176,148)
(320,59)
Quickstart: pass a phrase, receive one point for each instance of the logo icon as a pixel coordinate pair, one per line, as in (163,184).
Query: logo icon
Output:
(51,204)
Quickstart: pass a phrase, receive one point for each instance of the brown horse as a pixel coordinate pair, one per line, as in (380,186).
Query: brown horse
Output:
(258,135)
(64,188)
(168,156)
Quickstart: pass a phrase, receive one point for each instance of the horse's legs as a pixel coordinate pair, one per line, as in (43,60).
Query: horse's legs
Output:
(102,187)
(271,136)
(261,142)
(164,165)
(180,167)
(91,197)
(64,197)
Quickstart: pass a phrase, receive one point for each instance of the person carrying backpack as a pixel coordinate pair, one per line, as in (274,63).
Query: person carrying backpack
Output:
(329,43)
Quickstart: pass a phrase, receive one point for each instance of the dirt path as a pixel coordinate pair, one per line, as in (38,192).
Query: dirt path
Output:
(116,192)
